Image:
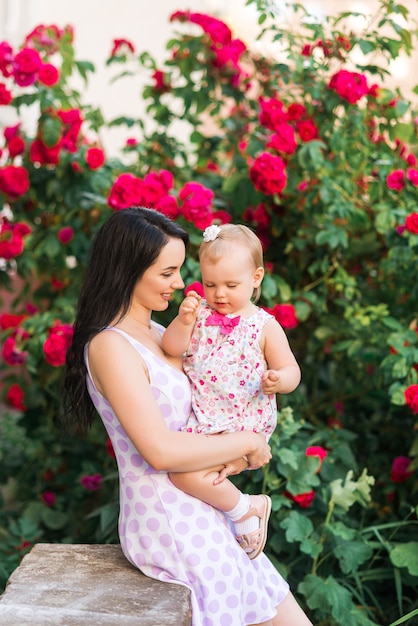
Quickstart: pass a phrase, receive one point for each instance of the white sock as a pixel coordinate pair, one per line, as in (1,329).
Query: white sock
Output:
(243,506)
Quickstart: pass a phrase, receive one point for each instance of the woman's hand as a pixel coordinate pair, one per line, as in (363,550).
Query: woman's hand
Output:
(261,456)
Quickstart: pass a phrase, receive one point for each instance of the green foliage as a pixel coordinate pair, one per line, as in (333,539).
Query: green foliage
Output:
(338,252)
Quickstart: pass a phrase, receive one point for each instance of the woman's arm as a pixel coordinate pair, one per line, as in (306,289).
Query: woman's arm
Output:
(122,378)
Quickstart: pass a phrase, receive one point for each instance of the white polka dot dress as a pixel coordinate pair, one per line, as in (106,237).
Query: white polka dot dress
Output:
(174,537)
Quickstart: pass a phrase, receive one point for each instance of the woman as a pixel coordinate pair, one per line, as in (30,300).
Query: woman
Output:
(116,366)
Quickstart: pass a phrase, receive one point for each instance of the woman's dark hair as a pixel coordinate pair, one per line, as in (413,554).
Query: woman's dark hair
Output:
(123,249)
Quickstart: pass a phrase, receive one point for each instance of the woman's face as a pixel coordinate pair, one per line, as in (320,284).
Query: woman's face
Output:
(158,283)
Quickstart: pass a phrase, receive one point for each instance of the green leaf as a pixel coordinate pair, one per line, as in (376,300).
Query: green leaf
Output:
(406,555)
(351,554)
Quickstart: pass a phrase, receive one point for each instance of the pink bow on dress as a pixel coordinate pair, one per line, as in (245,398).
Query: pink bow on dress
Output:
(226,323)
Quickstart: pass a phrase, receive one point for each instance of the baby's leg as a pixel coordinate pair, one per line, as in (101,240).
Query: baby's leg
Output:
(224,496)
(249,514)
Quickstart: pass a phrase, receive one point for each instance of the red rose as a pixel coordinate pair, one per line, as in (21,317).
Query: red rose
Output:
(272,113)
(56,345)
(65,235)
(283,140)
(12,354)
(121,47)
(15,397)
(319,452)
(15,146)
(40,153)
(9,320)
(11,239)
(197,287)
(197,204)
(126,191)
(48,74)
(396,180)
(268,174)
(160,83)
(109,448)
(303,499)
(295,111)
(350,86)
(411,223)
(14,181)
(285,314)
(399,471)
(5,95)
(307,130)
(95,158)
(411,397)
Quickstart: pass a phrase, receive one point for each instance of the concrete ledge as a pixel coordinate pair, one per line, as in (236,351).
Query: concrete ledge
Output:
(78,585)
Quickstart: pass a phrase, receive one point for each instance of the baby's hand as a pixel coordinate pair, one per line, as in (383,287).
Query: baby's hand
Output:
(189,307)
(270,382)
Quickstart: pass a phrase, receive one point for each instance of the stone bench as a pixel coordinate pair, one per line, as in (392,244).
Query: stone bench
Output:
(78,585)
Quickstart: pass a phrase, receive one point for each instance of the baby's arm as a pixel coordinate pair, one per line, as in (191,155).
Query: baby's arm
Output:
(176,337)
(283,373)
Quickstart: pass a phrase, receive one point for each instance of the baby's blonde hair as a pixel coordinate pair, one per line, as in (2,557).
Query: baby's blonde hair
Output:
(238,233)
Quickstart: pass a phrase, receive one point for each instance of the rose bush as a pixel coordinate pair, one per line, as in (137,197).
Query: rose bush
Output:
(312,150)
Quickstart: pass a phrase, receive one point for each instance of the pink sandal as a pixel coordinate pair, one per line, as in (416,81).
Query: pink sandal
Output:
(253,543)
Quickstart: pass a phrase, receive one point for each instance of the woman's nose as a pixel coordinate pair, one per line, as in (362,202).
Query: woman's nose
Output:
(178,282)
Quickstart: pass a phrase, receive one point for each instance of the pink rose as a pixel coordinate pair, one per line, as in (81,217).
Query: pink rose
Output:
(396,180)
(126,191)
(6,59)
(95,158)
(14,181)
(411,397)
(168,206)
(412,175)
(26,65)
(49,498)
(48,74)
(5,95)
(9,320)
(268,174)
(399,472)
(285,314)
(350,86)
(91,482)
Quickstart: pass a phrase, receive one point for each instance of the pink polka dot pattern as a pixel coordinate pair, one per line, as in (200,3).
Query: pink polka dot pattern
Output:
(176,538)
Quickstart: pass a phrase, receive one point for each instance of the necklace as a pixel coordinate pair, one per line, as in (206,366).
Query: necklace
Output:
(139,322)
